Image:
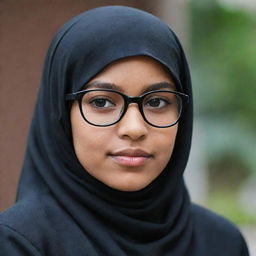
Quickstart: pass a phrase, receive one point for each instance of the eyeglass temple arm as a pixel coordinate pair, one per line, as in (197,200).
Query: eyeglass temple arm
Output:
(71,96)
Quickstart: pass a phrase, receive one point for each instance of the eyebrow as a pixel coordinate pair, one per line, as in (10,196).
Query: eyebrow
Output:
(103,85)
(111,86)
(159,86)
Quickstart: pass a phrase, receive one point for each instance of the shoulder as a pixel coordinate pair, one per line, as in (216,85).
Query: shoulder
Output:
(218,233)
(13,243)
(19,226)
(27,214)
(206,219)
(41,226)
(29,224)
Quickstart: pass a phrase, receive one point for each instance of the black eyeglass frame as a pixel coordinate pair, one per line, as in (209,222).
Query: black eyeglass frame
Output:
(128,100)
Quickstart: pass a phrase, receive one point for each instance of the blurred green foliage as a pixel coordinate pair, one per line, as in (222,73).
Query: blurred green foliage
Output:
(223,54)
(223,69)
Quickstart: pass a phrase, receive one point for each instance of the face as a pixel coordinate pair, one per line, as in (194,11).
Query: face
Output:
(130,154)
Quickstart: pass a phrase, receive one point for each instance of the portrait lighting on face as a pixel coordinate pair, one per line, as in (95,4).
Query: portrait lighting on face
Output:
(133,149)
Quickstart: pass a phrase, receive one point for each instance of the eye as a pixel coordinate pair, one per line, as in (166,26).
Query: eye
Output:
(156,102)
(101,103)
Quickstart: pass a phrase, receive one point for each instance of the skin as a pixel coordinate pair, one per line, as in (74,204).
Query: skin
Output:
(94,146)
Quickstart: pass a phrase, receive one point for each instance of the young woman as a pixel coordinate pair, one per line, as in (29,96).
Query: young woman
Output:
(108,144)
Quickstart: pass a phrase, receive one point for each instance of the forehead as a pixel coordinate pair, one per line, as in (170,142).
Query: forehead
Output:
(134,74)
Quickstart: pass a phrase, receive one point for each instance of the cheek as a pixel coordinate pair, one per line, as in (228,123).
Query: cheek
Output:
(86,138)
(166,143)
(88,142)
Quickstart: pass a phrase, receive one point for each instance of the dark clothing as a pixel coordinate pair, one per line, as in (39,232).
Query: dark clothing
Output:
(40,226)
(61,209)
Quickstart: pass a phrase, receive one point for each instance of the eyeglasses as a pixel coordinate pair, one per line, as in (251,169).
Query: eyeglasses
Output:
(105,107)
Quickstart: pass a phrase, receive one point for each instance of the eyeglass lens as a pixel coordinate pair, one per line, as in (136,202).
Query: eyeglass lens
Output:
(105,107)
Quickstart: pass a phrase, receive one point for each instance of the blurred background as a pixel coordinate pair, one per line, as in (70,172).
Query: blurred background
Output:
(219,37)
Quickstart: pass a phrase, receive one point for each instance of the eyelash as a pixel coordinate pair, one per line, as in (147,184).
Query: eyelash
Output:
(92,101)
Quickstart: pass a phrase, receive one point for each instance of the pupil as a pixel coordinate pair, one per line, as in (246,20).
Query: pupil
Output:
(100,102)
(154,102)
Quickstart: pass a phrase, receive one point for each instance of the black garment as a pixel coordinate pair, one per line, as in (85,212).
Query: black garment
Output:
(41,226)
(61,209)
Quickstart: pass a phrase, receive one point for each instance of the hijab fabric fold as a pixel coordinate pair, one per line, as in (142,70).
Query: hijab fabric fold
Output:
(153,221)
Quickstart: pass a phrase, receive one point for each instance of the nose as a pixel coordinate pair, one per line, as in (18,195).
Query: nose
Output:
(132,125)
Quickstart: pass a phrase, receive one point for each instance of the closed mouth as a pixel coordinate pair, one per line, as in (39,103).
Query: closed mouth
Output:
(130,157)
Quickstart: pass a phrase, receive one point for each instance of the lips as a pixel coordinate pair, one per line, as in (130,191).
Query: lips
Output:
(130,157)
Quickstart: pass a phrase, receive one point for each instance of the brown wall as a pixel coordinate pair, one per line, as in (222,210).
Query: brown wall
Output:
(27,27)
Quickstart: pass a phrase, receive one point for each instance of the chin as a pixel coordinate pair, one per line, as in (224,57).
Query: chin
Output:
(129,186)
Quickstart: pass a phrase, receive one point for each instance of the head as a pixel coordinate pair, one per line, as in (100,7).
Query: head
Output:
(130,154)
(134,50)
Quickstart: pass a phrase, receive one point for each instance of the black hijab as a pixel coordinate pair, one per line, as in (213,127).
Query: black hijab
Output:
(153,221)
